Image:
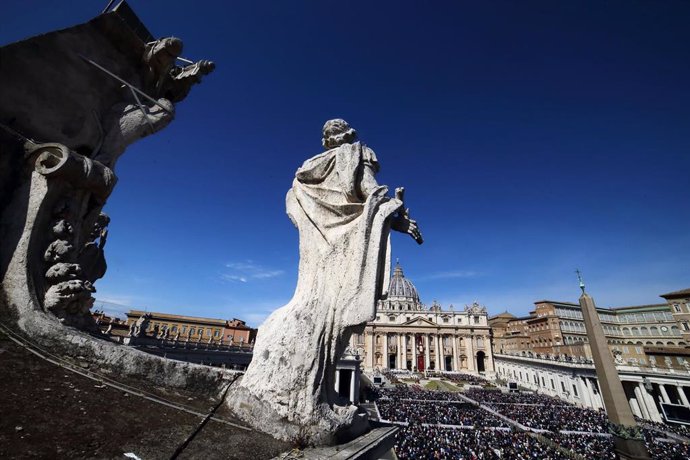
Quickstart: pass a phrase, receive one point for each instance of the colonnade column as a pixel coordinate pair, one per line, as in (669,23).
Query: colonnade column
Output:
(427,358)
(414,352)
(683,397)
(438,352)
(456,363)
(639,402)
(584,389)
(595,401)
(651,405)
(664,394)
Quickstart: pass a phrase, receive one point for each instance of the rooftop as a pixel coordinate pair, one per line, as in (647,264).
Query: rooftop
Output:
(677,294)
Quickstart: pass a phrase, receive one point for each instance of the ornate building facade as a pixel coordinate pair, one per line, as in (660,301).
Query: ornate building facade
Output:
(548,351)
(405,335)
(644,335)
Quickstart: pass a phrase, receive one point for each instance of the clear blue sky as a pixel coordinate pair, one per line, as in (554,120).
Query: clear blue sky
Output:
(533,138)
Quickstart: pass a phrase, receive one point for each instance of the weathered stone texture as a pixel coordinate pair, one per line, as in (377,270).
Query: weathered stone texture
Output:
(344,218)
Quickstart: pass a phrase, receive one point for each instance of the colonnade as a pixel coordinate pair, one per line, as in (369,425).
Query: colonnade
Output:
(577,384)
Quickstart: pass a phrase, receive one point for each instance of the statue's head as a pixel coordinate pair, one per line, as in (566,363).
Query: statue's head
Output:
(337,132)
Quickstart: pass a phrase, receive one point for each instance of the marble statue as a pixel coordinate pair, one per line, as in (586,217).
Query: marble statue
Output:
(344,218)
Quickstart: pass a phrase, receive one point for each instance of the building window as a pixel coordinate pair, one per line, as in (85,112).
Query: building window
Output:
(676,307)
(200,331)
(476,320)
(563,387)
(174,329)
(216,333)
(553,386)
(686,327)
(192,331)
(574,390)
(445,320)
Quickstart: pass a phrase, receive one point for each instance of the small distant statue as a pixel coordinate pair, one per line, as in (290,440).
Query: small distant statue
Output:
(344,218)
(141,325)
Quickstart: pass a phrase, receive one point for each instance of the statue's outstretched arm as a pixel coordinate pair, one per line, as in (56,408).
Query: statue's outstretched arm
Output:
(403,223)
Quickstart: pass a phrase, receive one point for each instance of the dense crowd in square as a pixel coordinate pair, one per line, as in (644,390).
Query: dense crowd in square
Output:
(480,435)
(417,442)
(437,413)
(496,396)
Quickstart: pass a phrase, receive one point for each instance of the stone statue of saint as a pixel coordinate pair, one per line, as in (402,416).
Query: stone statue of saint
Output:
(344,218)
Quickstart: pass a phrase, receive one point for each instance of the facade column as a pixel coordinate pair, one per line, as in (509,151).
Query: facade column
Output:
(683,397)
(385,351)
(353,381)
(404,355)
(664,394)
(401,348)
(470,353)
(456,359)
(437,341)
(414,352)
(427,358)
(337,381)
(370,352)
(489,354)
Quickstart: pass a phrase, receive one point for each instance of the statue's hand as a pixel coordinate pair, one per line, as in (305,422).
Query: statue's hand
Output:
(400,193)
(404,224)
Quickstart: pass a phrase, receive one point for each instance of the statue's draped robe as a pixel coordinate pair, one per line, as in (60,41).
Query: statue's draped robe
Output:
(343,228)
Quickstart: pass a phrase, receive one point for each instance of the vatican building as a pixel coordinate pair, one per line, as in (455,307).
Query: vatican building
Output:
(408,336)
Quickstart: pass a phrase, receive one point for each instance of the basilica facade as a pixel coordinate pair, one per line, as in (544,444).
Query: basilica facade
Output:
(406,335)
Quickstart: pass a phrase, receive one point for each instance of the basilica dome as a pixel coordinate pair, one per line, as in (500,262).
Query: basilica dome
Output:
(402,295)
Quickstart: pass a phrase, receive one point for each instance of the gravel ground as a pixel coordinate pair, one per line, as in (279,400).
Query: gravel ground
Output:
(49,412)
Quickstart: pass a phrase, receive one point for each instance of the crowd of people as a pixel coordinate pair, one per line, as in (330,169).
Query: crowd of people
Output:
(496,396)
(459,377)
(437,413)
(475,433)
(540,411)
(416,392)
(592,446)
(417,442)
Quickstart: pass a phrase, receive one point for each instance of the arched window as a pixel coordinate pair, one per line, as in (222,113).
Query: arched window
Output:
(644,330)
(635,331)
